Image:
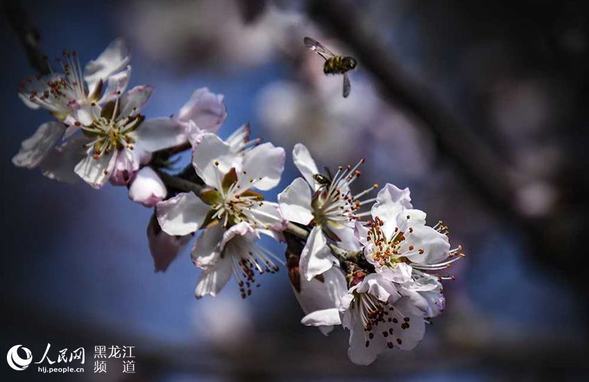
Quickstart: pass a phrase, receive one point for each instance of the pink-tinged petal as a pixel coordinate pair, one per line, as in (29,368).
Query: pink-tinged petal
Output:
(164,248)
(212,281)
(320,294)
(262,167)
(316,256)
(325,317)
(35,148)
(205,109)
(115,85)
(240,230)
(114,58)
(59,164)
(295,202)
(159,133)
(147,188)
(181,215)
(207,249)
(133,100)
(305,163)
(96,172)
(212,159)
(425,293)
(126,166)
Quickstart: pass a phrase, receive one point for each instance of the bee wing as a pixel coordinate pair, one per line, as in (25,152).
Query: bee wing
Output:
(347,85)
(316,46)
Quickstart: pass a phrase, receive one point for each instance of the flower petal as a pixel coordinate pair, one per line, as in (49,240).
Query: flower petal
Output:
(60,163)
(325,317)
(133,100)
(35,148)
(164,248)
(316,256)
(115,85)
(126,167)
(114,58)
(96,172)
(319,294)
(425,245)
(159,133)
(212,159)
(262,166)
(267,215)
(295,202)
(205,109)
(305,163)
(182,214)
(212,281)
(390,202)
(207,249)
(147,188)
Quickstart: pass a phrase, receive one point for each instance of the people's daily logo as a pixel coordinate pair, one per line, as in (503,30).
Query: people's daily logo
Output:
(16,361)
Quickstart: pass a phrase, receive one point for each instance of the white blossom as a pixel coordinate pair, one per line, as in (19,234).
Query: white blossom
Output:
(328,205)
(71,92)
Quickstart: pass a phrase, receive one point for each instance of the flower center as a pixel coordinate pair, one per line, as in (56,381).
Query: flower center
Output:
(111,133)
(333,202)
(231,204)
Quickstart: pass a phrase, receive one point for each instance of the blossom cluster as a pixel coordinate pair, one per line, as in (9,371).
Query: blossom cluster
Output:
(368,263)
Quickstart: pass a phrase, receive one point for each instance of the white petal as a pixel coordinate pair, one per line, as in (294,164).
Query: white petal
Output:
(96,172)
(147,188)
(212,159)
(378,286)
(207,249)
(133,100)
(205,109)
(35,148)
(295,202)
(159,133)
(59,164)
(358,352)
(114,58)
(267,215)
(325,317)
(182,214)
(115,85)
(390,202)
(212,281)
(263,166)
(239,138)
(321,293)
(316,256)
(304,162)
(425,245)
(400,273)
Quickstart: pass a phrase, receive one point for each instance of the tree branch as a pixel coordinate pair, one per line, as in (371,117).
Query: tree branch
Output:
(27,33)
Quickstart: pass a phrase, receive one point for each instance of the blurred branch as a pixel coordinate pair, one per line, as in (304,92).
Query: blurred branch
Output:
(476,163)
(28,34)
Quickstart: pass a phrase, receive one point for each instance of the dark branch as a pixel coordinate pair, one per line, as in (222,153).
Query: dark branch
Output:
(27,33)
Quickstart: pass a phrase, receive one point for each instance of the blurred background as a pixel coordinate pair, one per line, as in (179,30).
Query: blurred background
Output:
(479,107)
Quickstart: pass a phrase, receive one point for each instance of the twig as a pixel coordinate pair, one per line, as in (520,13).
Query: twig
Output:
(27,33)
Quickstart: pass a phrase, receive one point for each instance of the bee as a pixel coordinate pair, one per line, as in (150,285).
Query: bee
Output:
(323,181)
(334,64)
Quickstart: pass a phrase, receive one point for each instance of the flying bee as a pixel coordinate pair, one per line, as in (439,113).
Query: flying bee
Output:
(334,64)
